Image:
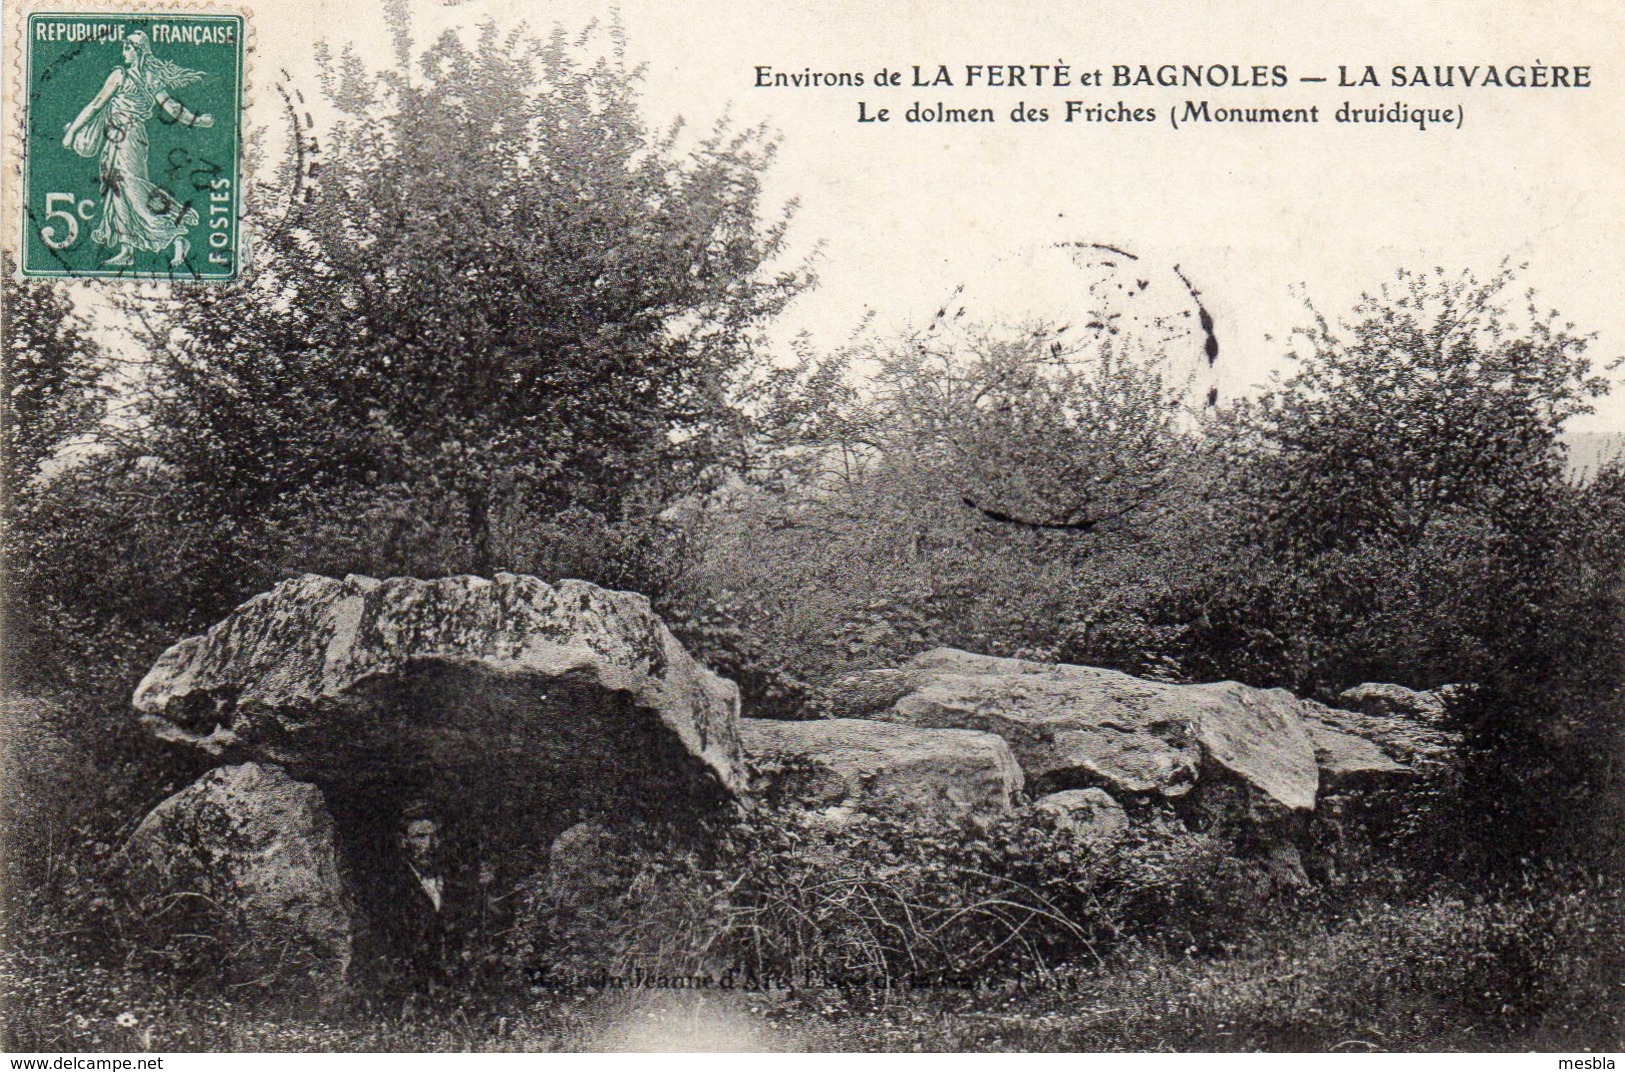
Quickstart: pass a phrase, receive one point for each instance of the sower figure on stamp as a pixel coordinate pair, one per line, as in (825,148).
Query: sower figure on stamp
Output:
(135,213)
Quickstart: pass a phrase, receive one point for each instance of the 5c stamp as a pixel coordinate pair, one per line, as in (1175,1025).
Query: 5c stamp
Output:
(133,145)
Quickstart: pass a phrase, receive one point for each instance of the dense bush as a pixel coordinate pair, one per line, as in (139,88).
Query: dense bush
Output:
(993,494)
(1547,738)
(1423,615)
(51,378)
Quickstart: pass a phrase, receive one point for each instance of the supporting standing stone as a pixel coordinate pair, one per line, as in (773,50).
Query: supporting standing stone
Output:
(236,878)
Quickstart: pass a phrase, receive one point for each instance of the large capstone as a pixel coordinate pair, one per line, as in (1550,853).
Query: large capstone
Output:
(844,766)
(237,879)
(505,699)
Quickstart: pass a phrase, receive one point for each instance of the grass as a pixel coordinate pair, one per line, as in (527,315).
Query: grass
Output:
(1444,974)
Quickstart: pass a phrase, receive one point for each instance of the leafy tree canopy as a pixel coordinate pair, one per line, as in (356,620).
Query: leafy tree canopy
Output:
(1030,434)
(503,288)
(1431,399)
(53,371)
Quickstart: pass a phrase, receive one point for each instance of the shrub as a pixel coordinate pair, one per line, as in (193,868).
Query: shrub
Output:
(790,896)
(48,790)
(989,492)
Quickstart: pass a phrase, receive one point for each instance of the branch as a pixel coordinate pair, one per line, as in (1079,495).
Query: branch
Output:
(1147,495)
(995,515)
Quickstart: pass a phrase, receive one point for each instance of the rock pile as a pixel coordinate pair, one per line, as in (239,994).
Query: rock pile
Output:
(523,708)
(1075,727)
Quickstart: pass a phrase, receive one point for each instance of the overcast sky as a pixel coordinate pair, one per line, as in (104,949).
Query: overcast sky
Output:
(907,211)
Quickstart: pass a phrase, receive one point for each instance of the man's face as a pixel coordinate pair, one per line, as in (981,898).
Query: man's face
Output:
(419,840)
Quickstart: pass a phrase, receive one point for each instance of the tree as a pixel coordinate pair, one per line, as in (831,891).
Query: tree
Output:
(505,301)
(984,491)
(52,376)
(1035,435)
(1388,510)
(1431,400)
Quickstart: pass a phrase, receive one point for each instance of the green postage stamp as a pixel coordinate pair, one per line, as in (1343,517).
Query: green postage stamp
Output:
(133,145)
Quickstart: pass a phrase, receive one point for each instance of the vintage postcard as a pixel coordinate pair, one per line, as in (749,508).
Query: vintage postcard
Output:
(828,526)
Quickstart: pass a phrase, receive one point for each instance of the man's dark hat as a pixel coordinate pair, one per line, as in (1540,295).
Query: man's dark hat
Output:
(419,809)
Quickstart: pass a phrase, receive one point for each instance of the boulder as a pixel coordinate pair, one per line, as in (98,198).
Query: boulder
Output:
(583,865)
(1347,760)
(500,697)
(1408,725)
(1087,814)
(237,877)
(1384,700)
(845,765)
(1077,726)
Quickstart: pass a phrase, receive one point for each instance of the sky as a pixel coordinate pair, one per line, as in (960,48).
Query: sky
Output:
(1256,217)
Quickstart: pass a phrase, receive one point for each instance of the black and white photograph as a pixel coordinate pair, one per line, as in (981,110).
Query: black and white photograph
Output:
(812,526)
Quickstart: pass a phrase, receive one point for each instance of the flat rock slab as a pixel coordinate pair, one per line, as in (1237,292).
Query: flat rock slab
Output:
(1077,726)
(238,876)
(1347,759)
(509,692)
(1382,699)
(846,765)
